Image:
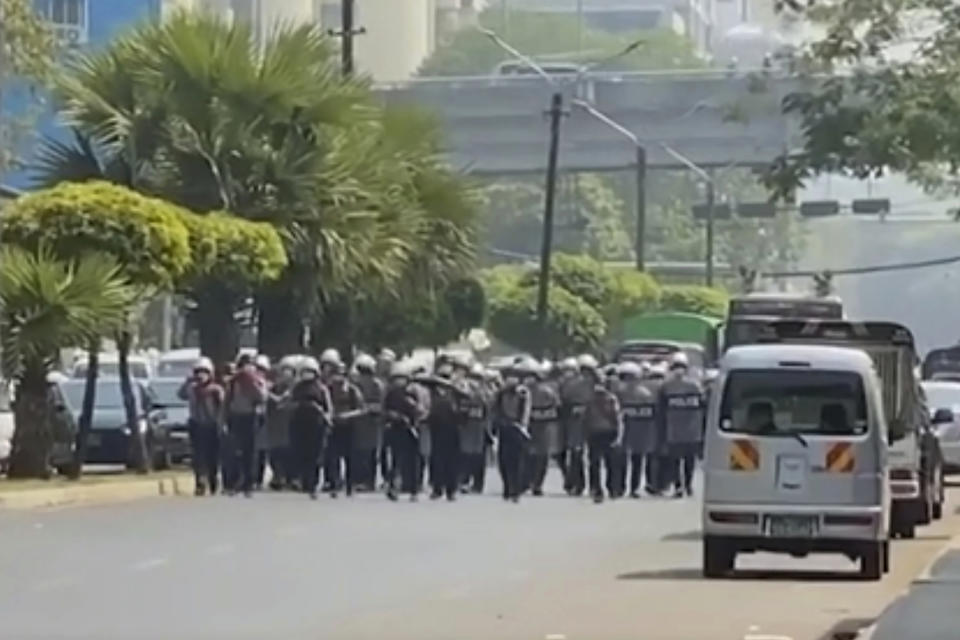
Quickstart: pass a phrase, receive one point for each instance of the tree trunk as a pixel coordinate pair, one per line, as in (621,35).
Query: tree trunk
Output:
(33,431)
(219,338)
(138,454)
(86,412)
(279,327)
(334,330)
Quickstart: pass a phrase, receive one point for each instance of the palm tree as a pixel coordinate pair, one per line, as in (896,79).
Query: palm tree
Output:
(46,305)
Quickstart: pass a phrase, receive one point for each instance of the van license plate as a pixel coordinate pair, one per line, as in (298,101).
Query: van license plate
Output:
(93,440)
(791,526)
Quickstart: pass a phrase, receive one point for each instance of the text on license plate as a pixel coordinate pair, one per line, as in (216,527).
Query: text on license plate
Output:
(791,526)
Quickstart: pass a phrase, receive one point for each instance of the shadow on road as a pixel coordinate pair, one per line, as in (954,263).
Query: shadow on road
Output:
(847,629)
(683,536)
(926,538)
(689,573)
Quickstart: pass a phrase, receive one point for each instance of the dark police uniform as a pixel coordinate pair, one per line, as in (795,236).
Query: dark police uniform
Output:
(680,410)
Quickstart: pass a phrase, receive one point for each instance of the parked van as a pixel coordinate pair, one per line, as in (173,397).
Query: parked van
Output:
(796,457)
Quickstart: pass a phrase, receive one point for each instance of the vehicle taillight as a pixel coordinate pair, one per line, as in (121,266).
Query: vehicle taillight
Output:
(903,474)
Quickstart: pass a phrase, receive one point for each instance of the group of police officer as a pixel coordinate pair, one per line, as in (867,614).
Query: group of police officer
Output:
(636,422)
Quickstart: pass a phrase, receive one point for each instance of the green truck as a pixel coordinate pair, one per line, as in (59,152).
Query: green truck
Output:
(679,328)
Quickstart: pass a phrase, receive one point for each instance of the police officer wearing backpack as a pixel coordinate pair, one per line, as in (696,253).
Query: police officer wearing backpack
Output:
(402,436)
(603,425)
(544,426)
(638,406)
(680,409)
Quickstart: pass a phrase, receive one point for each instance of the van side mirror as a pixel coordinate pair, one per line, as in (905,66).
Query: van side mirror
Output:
(943,416)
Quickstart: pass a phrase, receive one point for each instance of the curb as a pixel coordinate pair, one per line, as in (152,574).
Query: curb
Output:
(104,493)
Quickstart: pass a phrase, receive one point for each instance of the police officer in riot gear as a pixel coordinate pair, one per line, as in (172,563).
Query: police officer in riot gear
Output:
(402,437)
(474,430)
(348,405)
(330,362)
(603,426)
(511,417)
(617,475)
(368,428)
(680,408)
(638,407)
(444,422)
(283,467)
(205,401)
(575,392)
(310,418)
(544,426)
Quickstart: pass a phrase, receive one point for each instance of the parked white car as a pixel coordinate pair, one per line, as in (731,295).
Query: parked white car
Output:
(140,366)
(943,399)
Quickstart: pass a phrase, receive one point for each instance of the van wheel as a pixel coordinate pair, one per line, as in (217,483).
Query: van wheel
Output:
(871,562)
(938,493)
(718,558)
(886,556)
(902,524)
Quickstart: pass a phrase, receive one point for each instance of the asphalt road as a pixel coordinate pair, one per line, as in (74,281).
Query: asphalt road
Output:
(279,566)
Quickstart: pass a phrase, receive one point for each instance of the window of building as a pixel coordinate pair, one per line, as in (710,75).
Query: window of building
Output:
(68,18)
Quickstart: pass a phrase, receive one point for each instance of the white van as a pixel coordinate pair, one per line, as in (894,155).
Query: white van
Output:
(796,457)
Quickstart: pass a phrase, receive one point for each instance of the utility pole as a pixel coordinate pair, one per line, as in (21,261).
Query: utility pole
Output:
(346,34)
(546,248)
(711,196)
(640,239)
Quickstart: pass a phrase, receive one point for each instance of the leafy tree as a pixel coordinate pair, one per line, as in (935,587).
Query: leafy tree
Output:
(894,110)
(47,304)
(633,293)
(572,324)
(581,275)
(27,51)
(145,236)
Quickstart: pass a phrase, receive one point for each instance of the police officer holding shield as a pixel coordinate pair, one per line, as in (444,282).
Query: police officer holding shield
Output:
(680,409)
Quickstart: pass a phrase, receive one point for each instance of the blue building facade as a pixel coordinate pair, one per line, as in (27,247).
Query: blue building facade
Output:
(79,24)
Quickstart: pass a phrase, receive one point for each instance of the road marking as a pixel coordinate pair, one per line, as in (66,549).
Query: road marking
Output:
(765,636)
(150,564)
(555,636)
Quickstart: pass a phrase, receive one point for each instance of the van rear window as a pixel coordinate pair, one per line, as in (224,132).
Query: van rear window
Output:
(785,402)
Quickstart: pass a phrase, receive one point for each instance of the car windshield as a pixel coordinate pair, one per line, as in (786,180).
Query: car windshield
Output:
(942,396)
(781,402)
(165,392)
(138,369)
(108,394)
(175,368)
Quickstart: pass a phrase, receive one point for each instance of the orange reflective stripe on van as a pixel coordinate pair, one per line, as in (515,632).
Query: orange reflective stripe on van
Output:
(840,458)
(744,456)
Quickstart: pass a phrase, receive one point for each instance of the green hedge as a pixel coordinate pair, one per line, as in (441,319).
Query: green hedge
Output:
(694,299)
(146,236)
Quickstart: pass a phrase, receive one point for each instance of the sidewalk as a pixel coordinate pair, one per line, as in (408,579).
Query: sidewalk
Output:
(92,489)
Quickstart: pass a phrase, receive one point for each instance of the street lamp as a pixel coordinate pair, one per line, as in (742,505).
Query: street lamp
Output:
(641,175)
(555,112)
(711,199)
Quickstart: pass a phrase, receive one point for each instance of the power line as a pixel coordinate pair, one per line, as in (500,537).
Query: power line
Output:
(853,271)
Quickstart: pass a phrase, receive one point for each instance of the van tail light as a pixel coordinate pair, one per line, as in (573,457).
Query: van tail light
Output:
(903,474)
(734,517)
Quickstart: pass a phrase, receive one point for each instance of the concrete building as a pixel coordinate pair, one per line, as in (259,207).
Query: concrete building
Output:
(692,18)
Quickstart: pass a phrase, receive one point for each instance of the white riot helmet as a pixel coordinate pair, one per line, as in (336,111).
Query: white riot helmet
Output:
(203,364)
(365,363)
(331,357)
(387,355)
(679,360)
(587,361)
(310,365)
(568,364)
(400,370)
(289,362)
(262,362)
(477,371)
(630,369)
